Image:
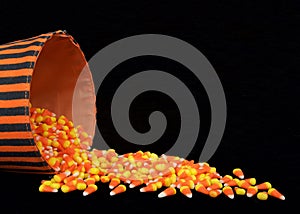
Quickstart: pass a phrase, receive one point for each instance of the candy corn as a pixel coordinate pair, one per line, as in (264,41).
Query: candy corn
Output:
(201,188)
(262,195)
(275,193)
(114,182)
(45,188)
(239,191)
(185,190)
(214,193)
(234,182)
(251,181)
(77,166)
(264,186)
(167,192)
(119,189)
(239,173)
(226,179)
(136,183)
(90,189)
(228,191)
(243,184)
(68,188)
(251,190)
(149,188)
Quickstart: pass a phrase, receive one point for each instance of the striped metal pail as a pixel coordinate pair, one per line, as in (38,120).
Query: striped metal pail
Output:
(49,71)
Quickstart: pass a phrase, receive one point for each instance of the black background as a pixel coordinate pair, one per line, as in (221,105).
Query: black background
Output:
(254,48)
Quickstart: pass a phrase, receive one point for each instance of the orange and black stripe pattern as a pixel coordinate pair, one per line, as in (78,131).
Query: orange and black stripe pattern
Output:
(18,151)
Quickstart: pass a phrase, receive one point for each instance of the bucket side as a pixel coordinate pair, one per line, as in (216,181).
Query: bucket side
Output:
(18,151)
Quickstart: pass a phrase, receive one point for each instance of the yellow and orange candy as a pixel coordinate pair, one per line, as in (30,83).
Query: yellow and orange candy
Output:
(67,150)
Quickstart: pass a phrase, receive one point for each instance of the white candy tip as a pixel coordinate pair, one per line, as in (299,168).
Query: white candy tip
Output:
(231,196)
(161,195)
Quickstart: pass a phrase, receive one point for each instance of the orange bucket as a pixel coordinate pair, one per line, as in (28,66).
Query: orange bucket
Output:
(49,71)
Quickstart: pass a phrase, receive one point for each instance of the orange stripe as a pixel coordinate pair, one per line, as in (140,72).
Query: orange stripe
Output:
(14,119)
(13,103)
(15,73)
(22,159)
(18,149)
(20,40)
(24,167)
(24,42)
(16,135)
(17,60)
(15,87)
(20,50)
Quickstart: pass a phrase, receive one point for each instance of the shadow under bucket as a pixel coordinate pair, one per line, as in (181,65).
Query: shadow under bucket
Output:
(49,71)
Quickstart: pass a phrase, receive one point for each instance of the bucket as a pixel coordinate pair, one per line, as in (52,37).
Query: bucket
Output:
(49,71)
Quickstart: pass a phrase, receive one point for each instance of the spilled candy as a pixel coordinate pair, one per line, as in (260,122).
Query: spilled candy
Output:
(77,166)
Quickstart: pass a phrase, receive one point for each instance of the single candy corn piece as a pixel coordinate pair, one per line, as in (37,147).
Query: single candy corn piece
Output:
(234,182)
(56,185)
(54,163)
(149,188)
(251,181)
(167,192)
(239,173)
(136,183)
(46,188)
(61,176)
(81,185)
(264,186)
(114,182)
(46,182)
(89,181)
(239,191)
(206,182)
(183,182)
(251,190)
(201,188)
(275,193)
(217,185)
(67,188)
(119,189)
(243,184)
(90,189)
(226,178)
(214,193)
(185,190)
(262,195)
(69,179)
(228,191)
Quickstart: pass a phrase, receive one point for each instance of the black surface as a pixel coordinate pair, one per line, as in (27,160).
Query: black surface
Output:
(254,48)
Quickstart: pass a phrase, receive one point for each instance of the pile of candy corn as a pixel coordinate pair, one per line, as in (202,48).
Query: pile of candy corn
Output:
(77,166)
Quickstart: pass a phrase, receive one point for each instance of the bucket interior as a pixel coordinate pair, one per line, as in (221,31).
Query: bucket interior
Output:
(62,82)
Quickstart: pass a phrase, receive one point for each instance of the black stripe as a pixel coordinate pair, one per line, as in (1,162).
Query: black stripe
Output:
(17,66)
(21,163)
(27,40)
(14,80)
(20,154)
(18,127)
(17,142)
(22,46)
(18,55)
(14,95)
(14,111)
